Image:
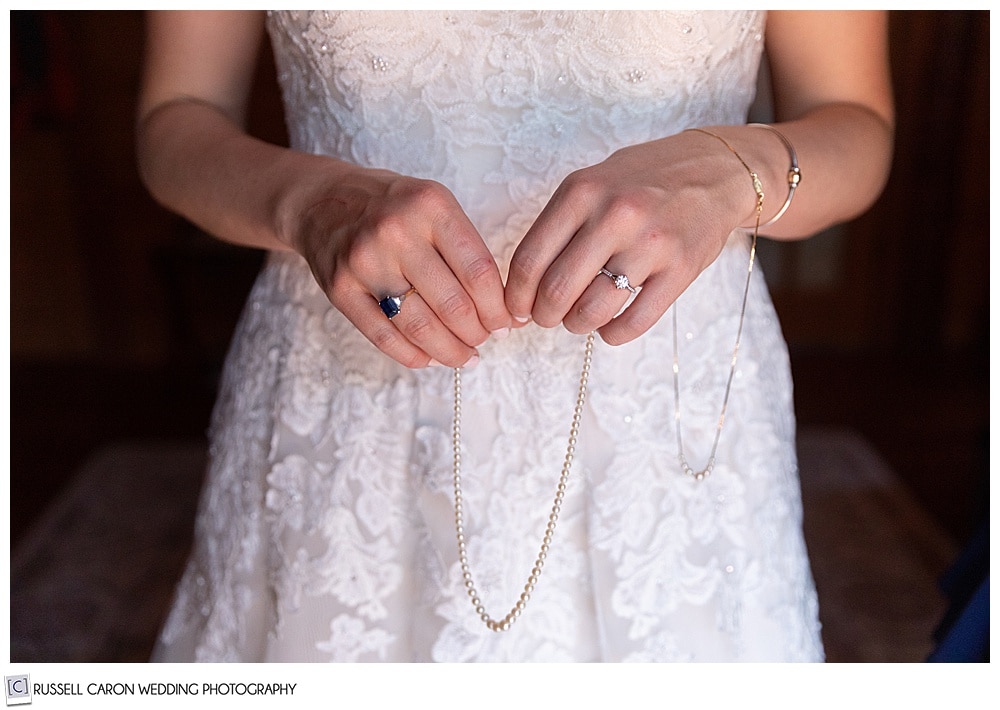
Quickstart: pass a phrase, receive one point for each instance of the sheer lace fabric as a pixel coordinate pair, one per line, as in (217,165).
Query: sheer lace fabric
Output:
(326,529)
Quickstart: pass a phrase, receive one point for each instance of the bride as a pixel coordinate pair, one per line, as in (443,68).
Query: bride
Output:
(509,387)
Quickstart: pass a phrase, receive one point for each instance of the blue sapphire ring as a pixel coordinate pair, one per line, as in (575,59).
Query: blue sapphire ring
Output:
(390,305)
(621,281)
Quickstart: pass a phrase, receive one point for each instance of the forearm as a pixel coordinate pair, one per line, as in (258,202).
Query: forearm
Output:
(200,164)
(844,153)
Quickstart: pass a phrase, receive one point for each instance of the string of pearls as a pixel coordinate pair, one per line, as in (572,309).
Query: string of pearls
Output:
(550,528)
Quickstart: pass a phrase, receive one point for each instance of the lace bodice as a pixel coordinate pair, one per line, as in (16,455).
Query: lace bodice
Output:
(326,530)
(499,106)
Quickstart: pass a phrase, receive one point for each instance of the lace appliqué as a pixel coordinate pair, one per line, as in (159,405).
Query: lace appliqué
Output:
(326,529)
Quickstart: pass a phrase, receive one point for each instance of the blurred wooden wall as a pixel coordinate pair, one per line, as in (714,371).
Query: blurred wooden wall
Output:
(100,274)
(913,273)
(99,271)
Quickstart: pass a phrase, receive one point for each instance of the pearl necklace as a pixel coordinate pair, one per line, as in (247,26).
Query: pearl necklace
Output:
(550,528)
(456,440)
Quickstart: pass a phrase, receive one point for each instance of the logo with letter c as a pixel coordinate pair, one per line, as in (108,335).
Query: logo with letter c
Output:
(18,689)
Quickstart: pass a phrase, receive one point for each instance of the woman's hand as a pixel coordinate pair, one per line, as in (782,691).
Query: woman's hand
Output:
(658,213)
(366,234)
(369,234)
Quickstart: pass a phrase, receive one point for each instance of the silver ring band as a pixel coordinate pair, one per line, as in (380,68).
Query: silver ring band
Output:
(620,281)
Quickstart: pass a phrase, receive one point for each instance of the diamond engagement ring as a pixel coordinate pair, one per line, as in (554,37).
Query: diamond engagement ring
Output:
(621,281)
(390,305)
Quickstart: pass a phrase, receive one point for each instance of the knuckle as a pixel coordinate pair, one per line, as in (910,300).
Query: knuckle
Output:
(384,337)
(580,182)
(418,327)
(428,195)
(480,269)
(525,267)
(390,229)
(580,190)
(337,286)
(624,208)
(556,289)
(456,306)
(361,258)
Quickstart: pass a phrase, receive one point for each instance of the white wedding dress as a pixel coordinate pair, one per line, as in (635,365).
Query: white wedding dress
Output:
(326,528)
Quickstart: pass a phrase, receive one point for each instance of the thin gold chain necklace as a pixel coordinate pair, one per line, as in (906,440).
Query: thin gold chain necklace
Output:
(682,458)
(699,475)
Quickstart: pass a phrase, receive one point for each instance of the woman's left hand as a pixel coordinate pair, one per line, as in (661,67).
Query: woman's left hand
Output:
(659,213)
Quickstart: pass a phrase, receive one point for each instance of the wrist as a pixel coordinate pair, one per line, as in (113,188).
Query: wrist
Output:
(306,181)
(793,176)
(764,156)
(753,219)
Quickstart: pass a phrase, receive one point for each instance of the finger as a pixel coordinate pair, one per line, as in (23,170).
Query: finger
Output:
(573,272)
(552,231)
(421,326)
(363,310)
(468,258)
(599,303)
(657,294)
(449,301)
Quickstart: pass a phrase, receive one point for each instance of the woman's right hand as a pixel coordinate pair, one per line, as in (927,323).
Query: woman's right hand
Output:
(368,234)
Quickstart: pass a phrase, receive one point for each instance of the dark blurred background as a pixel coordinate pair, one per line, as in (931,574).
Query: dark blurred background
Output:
(121,313)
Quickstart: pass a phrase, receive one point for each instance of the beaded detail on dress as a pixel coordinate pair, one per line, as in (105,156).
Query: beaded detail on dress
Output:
(326,528)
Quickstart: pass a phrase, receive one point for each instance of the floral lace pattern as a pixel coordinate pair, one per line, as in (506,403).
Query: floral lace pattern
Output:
(326,530)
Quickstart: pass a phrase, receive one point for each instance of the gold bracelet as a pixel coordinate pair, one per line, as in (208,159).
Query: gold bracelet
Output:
(757,187)
(794,174)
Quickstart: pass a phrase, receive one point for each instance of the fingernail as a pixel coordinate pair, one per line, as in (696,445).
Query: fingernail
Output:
(471,362)
(522,319)
(500,333)
(434,363)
